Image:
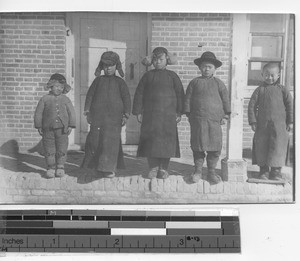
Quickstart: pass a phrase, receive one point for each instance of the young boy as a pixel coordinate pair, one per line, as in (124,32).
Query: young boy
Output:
(206,104)
(158,104)
(107,107)
(270,114)
(54,118)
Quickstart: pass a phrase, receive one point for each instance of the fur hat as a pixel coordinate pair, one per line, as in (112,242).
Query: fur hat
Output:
(58,78)
(171,57)
(208,57)
(109,58)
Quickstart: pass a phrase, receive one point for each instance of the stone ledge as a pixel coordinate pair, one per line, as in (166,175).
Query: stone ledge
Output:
(88,189)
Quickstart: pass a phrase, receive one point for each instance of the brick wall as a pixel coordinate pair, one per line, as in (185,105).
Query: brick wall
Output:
(32,48)
(181,33)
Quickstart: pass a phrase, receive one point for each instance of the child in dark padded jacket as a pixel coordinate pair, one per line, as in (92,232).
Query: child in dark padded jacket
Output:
(107,107)
(270,114)
(206,105)
(54,118)
(158,104)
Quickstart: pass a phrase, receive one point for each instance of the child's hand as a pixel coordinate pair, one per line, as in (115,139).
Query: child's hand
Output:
(254,126)
(139,118)
(40,130)
(124,120)
(69,130)
(226,117)
(178,118)
(88,117)
(289,127)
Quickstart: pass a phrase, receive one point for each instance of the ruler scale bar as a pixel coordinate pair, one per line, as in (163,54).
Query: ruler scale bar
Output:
(116,218)
(138,231)
(181,231)
(57,231)
(112,231)
(126,231)
(193,224)
(24,224)
(80,224)
(136,224)
(115,241)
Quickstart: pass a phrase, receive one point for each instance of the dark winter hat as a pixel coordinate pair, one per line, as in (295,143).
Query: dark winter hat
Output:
(171,57)
(159,50)
(109,58)
(58,78)
(208,57)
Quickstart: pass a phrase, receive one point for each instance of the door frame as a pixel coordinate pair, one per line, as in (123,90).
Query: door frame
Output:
(73,58)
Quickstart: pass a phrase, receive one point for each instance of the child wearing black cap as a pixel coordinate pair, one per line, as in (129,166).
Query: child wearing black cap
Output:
(206,105)
(158,102)
(54,118)
(107,107)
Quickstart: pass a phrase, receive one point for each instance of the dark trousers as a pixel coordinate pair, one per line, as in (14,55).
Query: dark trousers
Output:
(55,143)
(160,163)
(212,157)
(210,154)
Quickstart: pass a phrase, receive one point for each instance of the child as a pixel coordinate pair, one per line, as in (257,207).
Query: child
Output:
(158,104)
(206,104)
(270,114)
(107,107)
(54,118)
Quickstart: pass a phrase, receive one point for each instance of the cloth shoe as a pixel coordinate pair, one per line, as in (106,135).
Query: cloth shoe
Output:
(263,172)
(153,173)
(197,175)
(212,160)
(50,173)
(60,172)
(109,174)
(163,174)
(213,178)
(275,174)
(106,174)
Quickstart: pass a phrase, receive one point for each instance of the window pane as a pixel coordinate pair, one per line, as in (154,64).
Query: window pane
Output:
(267,23)
(254,72)
(266,46)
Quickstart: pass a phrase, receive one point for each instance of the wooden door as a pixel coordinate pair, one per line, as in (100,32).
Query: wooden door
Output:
(95,33)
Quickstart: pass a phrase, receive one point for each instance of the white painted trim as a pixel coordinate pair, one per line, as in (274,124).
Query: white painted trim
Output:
(239,70)
(70,73)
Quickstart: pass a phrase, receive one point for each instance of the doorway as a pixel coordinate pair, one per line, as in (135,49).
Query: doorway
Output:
(95,33)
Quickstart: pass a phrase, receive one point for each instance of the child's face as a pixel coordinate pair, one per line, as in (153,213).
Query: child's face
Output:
(160,62)
(207,69)
(57,89)
(109,69)
(271,75)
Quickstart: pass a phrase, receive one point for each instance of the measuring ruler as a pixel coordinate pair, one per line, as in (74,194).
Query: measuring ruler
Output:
(130,231)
